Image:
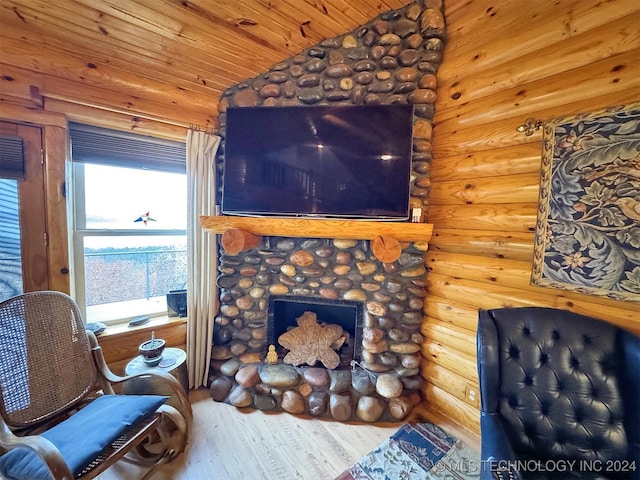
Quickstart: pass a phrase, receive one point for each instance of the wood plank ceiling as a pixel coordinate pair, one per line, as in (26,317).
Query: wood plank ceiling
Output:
(161,60)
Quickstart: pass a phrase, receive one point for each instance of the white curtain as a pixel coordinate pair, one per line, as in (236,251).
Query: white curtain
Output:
(202,296)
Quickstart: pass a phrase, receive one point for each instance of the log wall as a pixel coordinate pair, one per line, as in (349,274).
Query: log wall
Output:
(505,62)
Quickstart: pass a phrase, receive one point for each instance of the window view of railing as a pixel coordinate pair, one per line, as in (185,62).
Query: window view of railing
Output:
(117,276)
(129,275)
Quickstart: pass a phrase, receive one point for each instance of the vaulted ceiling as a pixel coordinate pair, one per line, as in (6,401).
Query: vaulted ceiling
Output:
(157,59)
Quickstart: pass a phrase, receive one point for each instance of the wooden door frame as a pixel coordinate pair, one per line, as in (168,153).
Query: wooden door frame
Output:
(43,210)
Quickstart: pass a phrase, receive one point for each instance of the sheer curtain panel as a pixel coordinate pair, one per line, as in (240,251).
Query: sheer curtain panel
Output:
(202,297)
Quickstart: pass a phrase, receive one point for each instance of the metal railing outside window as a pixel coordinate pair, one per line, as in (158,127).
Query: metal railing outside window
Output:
(141,274)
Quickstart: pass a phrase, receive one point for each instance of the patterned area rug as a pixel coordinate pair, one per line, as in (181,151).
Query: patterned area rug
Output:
(417,451)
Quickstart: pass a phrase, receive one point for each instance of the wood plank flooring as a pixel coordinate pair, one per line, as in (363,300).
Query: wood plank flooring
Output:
(232,444)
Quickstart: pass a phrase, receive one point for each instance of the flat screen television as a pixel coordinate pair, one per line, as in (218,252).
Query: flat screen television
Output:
(318,161)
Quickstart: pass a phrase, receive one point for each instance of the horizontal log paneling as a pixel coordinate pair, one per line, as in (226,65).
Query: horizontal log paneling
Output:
(458,362)
(505,63)
(523,188)
(77,92)
(484,295)
(499,217)
(587,82)
(449,311)
(456,139)
(447,380)
(443,402)
(619,36)
(510,245)
(512,274)
(511,160)
(497,271)
(625,314)
(450,336)
(449,327)
(117,121)
(505,32)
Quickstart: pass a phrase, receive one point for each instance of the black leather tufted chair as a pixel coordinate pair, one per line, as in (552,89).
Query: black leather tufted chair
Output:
(559,395)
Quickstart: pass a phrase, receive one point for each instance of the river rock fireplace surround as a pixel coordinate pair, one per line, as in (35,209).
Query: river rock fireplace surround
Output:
(379,378)
(394,58)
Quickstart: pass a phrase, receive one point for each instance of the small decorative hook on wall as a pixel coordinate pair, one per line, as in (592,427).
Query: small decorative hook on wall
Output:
(529,126)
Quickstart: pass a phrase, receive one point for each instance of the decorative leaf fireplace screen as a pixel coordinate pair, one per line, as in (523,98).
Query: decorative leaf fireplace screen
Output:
(284,311)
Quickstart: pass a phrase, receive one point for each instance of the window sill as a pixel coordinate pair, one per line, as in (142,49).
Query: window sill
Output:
(156,323)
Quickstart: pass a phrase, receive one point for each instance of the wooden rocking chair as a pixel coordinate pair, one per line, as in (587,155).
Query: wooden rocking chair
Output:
(60,417)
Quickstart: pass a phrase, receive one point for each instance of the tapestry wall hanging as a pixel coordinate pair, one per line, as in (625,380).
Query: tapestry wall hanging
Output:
(588,228)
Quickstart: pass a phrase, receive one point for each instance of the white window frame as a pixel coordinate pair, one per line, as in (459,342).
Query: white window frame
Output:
(79,230)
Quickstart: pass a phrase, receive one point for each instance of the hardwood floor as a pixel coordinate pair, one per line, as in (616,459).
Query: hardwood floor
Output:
(231,444)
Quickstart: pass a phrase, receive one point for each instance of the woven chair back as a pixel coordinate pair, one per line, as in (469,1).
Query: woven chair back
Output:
(46,365)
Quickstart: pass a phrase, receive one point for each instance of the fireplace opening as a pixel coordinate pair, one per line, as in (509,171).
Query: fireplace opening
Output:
(284,310)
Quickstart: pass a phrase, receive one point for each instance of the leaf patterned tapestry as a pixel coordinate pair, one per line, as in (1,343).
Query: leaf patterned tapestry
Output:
(588,227)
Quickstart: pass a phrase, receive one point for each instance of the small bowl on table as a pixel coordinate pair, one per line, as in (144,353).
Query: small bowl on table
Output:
(151,351)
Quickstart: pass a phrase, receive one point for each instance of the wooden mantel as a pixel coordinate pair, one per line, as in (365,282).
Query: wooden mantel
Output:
(317,228)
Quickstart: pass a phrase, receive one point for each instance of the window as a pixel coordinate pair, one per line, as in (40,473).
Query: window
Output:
(10,252)
(129,201)
(24,256)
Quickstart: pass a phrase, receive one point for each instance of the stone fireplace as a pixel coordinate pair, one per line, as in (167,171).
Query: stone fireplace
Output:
(394,58)
(264,289)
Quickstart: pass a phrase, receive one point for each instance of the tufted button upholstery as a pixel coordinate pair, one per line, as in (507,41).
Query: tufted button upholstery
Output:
(561,386)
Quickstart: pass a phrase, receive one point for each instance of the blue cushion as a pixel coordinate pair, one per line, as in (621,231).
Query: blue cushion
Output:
(83,436)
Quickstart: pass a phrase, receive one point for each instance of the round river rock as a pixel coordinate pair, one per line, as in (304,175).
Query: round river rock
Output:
(280,375)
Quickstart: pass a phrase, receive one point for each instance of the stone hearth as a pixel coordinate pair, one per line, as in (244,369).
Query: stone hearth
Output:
(383,382)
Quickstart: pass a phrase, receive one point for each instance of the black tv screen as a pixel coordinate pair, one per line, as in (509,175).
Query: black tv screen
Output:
(323,161)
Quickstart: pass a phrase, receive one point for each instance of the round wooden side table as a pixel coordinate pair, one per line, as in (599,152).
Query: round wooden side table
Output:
(174,361)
